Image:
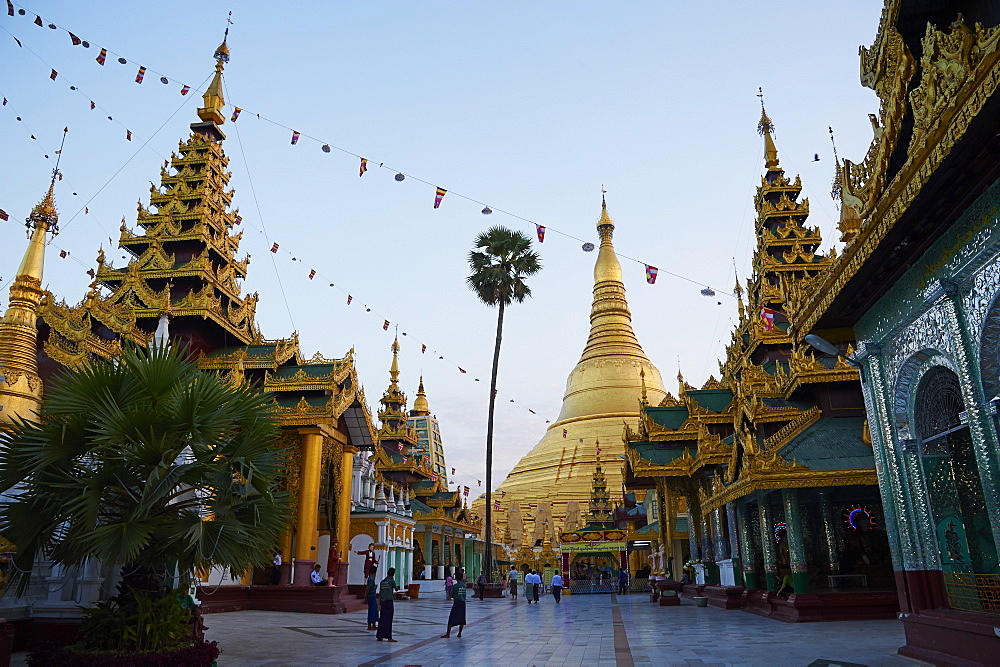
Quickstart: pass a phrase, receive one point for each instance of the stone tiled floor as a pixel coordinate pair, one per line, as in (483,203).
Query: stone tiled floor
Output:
(583,630)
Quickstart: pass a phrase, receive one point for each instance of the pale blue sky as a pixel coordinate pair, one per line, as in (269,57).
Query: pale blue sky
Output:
(528,106)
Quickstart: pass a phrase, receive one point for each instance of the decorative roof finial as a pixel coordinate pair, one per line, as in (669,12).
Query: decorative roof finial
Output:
(765,128)
(213,98)
(837,190)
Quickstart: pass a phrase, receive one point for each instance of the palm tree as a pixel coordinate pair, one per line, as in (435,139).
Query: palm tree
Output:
(500,262)
(147,464)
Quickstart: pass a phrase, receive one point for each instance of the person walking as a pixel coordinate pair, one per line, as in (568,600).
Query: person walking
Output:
(457,615)
(276,569)
(371,597)
(386,593)
(481,586)
(512,583)
(534,581)
(557,584)
(623,581)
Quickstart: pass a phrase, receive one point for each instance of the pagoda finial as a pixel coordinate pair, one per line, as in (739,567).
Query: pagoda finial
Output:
(642,381)
(765,128)
(420,405)
(213,98)
(394,368)
(607,266)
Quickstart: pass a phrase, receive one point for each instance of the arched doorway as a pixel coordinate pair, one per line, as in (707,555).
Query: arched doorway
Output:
(961,522)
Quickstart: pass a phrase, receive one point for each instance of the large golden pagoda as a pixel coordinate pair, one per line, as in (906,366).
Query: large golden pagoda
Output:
(602,392)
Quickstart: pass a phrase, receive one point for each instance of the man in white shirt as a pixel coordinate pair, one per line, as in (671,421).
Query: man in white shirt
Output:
(317,578)
(534,581)
(557,584)
(512,582)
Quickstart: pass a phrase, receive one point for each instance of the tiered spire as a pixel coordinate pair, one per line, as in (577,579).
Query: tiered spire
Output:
(393,412)
(21,387)
(420,406)
(601,511)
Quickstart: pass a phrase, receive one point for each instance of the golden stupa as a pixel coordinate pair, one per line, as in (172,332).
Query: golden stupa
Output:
(602,394)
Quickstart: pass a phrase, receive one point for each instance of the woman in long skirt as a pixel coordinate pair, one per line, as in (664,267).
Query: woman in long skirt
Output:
(457,615)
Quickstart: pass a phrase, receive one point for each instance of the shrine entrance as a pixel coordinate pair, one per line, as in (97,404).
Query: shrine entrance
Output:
(592,560)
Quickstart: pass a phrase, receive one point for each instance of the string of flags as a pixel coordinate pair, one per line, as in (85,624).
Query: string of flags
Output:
(650,270)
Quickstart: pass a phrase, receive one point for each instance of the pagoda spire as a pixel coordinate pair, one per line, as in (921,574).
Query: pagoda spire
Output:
(765,128)
(393,412)
(21,389)
(420,405)
(213,98)
(601,512)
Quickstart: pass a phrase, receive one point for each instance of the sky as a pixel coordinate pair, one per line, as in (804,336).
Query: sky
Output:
(531,108)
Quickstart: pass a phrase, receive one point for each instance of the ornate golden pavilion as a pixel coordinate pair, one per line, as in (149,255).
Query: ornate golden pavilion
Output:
(182,281)
(602,391)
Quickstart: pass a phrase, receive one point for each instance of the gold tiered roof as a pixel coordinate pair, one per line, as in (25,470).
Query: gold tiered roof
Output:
(602,391)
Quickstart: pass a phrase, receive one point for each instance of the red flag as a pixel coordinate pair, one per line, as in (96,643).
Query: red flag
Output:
(10,8)
(423,349)
(598,451)
(102,56)
(38,21)
(363,168)
(86,210)
(53,75)
(651,272)
(236,114)
(295,137)
(3,215)
(767,315)
(63,253)
(452,471)
(140,74)
(438,196)
(184,91)
(405,459)
(434,477)
(237,220)
(565,433)
(128,134)
(76,40)
(479,481)
(274,248)
(349,299)
(312,274)
(385,325)
(540,230)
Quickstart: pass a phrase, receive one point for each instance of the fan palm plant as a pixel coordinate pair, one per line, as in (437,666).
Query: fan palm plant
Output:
(501,260)
(147,464)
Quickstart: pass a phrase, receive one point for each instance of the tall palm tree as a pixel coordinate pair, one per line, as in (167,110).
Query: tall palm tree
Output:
(147,464)
(501,261)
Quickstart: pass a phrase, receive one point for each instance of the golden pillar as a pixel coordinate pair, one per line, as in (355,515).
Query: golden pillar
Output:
(667,511)
(344,502)
(306,536)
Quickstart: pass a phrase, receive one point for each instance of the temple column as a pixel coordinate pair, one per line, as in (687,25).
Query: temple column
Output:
(346,495)
(668,533)
(734,542)
(660,558)
(767,541)
(829,531)
(428,561)
(796,543)
(719,545)
(306,537)
(746,547)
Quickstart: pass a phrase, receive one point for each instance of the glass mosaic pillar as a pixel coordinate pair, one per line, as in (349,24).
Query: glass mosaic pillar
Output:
(796,543)
(720,548)
(750,579)
(767,541)
(734,542)
(829,532)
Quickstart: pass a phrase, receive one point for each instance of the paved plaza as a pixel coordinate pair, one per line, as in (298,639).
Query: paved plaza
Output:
(583,629)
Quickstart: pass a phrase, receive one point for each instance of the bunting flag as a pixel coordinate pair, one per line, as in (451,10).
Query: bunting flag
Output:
(438,196)
(651,272)
(236,114)
(363,168)
(86,210)
(767,315)
(128,134)
(274,248)
(76,40)
(295,137)
(53,75)
(434,477)
(140,74)
(38,21)
(452,471)
(184,91)
(349,299)
(385,325)
(102,56)
(63,253)
(237,220)
(462,370)
(423,349)
(565,433)
(540,230)
(91,273)
(92,105)
(479,482)
(503,494)
(405,459)
(598,451)
(18,41)
(5,101)
(10,8)
(312,274)
(465,491)
(3,215)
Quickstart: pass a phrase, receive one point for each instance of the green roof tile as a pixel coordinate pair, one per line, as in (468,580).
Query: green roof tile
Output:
(832,443)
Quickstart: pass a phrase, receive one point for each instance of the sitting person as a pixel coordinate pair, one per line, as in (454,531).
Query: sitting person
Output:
(316,578)
(786,583)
